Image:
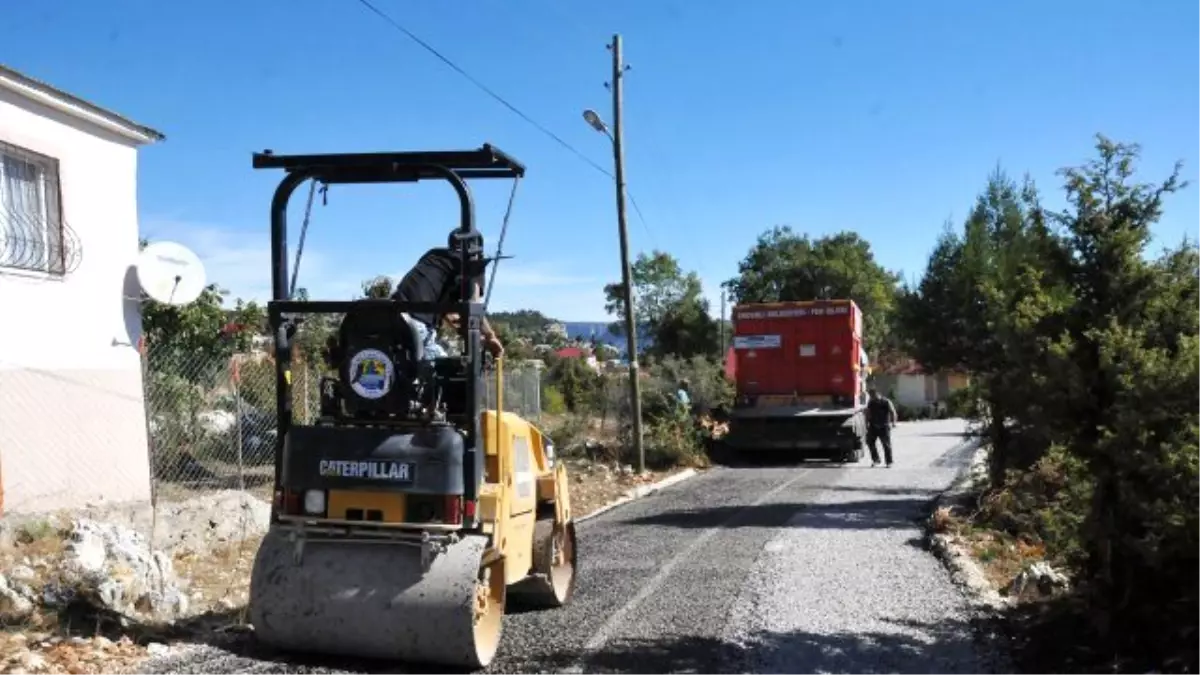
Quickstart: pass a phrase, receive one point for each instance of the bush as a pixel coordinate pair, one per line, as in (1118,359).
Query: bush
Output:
(709,389)
(576,382)
(674,441)
(964,402)
(553,401)
(1043,505)
(568,435)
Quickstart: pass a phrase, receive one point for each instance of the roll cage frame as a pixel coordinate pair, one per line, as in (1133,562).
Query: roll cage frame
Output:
(455,167)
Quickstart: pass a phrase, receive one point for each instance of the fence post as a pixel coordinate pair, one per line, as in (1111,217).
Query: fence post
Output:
(604,402)
(144,352)
(537,392)
(236,378)
(304,391)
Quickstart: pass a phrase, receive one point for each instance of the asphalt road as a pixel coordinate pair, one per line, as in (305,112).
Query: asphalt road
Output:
(792,568)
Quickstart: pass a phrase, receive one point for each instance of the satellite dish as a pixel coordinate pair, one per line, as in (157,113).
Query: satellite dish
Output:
(170,273)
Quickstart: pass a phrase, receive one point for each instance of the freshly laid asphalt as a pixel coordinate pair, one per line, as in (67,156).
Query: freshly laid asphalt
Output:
(753,568)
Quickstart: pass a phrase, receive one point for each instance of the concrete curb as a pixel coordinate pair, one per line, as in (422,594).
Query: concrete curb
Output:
(964,571)
(639,492)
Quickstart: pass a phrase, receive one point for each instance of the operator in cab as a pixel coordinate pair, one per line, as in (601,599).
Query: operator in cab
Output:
(437,278)
(881,419)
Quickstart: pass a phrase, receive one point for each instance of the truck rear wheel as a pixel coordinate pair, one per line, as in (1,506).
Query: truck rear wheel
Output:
(854,455)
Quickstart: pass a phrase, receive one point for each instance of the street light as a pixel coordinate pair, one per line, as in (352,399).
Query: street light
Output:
(593,119)
(596,123)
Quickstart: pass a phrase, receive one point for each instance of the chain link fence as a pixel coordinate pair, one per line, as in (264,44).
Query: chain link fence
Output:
(212,422)
(522,390)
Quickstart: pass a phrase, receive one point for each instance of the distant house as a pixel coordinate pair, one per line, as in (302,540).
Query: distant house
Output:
(583,353)
(72,414)
(908,383)
(571,353)
(553,330)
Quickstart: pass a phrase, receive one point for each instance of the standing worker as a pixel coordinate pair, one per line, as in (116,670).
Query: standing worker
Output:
(881,419)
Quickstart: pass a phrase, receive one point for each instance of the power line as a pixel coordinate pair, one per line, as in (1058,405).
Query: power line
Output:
(500,99)
(483,87)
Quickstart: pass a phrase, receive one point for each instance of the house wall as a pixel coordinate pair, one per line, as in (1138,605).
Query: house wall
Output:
(910,390)
(72,415)
(918,390)
(958,381)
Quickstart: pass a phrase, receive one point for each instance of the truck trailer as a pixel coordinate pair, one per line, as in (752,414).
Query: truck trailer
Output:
(800,372)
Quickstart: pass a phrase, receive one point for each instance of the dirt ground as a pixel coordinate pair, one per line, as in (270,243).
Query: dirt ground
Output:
(217,583)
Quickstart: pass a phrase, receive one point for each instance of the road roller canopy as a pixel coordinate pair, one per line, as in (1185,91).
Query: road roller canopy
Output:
(455,166)
(285,313)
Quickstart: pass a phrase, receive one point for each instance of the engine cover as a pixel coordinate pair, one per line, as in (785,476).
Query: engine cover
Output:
(426,461)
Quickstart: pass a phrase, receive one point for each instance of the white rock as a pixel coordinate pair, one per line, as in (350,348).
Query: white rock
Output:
(1041,576)
(14,603)
(22,573)
(112,566)
(86,552)
(157,649)
(31,661)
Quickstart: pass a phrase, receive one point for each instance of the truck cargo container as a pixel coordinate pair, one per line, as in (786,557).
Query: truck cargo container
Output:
(800,374)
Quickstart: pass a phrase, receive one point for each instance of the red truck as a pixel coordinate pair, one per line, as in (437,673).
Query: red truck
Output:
(800,372)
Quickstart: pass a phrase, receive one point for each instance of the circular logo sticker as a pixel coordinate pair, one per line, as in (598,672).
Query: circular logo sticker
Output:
(371,374)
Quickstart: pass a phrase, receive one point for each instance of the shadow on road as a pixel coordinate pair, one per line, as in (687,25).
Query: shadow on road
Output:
(727,457)
(958,456)
(884,490)
(912,647)
(893,513)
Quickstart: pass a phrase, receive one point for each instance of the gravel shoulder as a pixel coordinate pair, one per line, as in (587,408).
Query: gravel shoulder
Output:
(809,568)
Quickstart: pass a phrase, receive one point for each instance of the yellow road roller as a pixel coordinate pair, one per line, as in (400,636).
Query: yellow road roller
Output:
(406,514)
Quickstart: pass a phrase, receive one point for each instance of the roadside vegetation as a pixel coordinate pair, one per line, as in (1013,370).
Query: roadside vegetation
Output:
(1083,345)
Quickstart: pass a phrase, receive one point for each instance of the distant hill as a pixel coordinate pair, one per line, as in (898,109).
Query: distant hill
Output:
(528,321)
(586,330)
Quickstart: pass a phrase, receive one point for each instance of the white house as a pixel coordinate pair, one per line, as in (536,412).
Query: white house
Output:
(909,384)
(72,414)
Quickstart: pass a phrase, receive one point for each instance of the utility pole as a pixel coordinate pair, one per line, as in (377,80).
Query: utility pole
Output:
(635,384)
(722,324)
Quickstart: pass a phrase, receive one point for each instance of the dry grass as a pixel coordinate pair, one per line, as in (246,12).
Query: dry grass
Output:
(944,521)
(218,580)
(1000,555)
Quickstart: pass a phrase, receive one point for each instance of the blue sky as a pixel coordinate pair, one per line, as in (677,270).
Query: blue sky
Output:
(879,117)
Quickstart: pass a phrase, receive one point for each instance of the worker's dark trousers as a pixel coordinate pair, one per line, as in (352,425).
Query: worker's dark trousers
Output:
(884,435)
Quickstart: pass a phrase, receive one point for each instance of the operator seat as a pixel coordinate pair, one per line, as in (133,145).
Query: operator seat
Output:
(378,355)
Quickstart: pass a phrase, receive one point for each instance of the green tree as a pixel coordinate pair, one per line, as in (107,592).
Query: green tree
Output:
(1133,415)
(785,266)
(314,332)
(984,299)
(523,322)
(577,383)
(670,306)
(1087,354)
(380,287)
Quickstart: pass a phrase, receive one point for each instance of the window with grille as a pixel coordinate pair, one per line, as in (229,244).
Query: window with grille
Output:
(31,228)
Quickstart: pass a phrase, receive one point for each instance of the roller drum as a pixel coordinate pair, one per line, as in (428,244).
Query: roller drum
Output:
(376,601)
